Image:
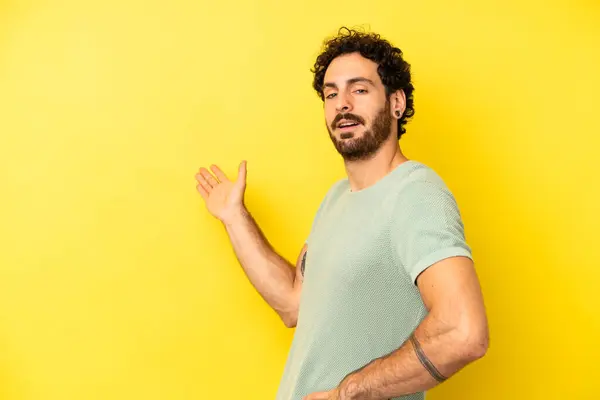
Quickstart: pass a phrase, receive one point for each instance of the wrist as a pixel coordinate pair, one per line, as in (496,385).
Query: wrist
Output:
(235,216)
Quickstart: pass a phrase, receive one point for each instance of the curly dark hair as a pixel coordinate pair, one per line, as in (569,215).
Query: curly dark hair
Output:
(393,70)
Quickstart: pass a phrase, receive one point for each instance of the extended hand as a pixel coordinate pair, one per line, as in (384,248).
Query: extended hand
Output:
(222,196)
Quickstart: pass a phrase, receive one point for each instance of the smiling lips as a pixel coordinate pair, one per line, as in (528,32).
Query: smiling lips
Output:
(346,125)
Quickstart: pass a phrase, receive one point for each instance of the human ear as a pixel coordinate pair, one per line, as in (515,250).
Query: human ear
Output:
(398,103)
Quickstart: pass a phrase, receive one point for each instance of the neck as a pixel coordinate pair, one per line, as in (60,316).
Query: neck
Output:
(364,173)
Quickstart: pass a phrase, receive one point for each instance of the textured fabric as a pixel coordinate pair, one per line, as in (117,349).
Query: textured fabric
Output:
(365,250)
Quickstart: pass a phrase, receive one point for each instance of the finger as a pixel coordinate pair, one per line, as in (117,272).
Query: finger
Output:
(203,192)
(210,179)
(242,173)
(203,183)
(317,396)
(220,174)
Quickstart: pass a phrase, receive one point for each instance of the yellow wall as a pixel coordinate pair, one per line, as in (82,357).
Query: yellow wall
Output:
(116,284)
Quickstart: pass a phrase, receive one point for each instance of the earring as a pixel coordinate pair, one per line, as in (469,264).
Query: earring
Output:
(398,113)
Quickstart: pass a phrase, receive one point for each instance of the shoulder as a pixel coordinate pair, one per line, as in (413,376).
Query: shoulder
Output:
(421,190)
(419,180)
(418,173)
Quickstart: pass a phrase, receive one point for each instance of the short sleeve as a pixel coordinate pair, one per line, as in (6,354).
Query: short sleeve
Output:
(427,227)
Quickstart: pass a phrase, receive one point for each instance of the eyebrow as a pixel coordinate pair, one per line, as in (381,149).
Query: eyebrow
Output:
(349,81)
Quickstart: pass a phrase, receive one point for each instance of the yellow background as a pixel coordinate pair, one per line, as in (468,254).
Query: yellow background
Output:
(115,283)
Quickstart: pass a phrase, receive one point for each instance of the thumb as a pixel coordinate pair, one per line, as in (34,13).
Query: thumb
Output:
(241,178)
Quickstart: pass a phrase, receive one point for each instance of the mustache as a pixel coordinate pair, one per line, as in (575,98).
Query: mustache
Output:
(346,116)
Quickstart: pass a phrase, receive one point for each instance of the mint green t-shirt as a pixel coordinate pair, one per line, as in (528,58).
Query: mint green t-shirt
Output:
(359,298)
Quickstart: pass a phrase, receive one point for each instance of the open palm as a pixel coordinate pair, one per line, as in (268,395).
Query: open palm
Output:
(223,197)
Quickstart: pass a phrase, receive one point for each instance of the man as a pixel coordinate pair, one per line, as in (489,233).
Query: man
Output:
(384,295)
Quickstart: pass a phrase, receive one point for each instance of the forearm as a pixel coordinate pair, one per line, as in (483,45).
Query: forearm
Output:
(269,273)
(434,352)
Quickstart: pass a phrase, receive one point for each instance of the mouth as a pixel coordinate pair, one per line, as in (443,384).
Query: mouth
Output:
(345,125)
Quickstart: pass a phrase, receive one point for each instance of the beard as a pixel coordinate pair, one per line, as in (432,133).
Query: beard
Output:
(360,148)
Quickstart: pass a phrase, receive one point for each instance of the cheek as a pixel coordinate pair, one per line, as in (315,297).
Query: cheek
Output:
(330,114)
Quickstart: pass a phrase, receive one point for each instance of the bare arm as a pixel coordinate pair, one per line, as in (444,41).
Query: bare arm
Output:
(276,279)
(452,335)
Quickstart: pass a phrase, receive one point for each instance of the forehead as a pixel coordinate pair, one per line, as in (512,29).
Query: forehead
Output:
(349,66)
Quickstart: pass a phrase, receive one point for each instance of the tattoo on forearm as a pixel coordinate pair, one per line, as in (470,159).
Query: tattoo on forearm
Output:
(425,361)
(303,263)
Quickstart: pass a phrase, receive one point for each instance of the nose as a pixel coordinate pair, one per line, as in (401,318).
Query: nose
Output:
(343,104)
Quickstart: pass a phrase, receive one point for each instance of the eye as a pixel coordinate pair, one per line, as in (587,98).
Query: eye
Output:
(330,96)
(361,91)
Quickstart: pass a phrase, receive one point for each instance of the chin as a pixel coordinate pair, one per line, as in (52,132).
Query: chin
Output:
(350,135)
